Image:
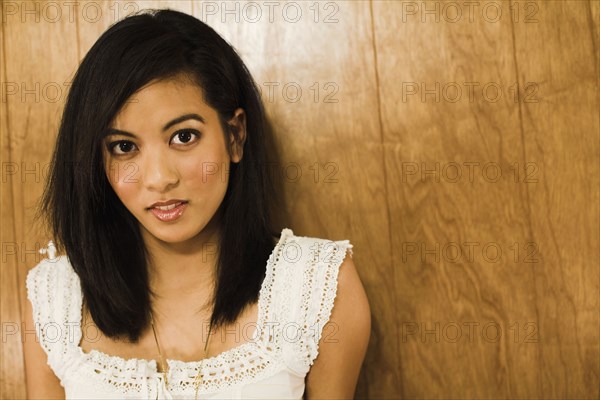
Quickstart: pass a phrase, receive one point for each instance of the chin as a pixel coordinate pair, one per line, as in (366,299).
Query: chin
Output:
(173,234)
(173,238)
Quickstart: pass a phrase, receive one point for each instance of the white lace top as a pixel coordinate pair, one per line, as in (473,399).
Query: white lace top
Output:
(295,302)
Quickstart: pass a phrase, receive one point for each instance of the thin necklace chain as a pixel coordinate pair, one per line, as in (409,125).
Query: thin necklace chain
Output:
(198,379)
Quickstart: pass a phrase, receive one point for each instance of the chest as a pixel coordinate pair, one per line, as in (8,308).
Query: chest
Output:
(180,337)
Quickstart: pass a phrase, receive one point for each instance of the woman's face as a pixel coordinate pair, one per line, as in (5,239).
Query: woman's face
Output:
(166,145)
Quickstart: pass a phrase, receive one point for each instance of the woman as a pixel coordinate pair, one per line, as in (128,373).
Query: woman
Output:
(173,284)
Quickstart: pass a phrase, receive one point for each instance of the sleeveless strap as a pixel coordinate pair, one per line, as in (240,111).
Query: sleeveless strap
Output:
(50,289)
(305,286)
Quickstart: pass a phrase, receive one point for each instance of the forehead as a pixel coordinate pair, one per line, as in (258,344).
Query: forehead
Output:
(160,101)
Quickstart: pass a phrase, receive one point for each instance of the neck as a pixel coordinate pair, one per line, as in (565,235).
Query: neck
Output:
(185,270)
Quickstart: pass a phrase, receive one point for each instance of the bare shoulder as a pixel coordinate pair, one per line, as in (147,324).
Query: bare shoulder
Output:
(344,341)
(351,307)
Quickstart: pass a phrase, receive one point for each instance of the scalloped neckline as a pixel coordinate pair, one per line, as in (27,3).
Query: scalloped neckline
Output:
(138,363)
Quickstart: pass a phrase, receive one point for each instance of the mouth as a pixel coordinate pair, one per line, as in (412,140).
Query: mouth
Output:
(168,211)
(166,205)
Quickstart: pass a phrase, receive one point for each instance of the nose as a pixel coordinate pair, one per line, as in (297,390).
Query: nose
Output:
(159,172)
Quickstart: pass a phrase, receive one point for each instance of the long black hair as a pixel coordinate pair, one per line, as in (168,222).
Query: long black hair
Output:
(100,236)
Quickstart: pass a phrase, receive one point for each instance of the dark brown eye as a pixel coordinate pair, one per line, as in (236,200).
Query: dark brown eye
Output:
(185,136)
(121,147)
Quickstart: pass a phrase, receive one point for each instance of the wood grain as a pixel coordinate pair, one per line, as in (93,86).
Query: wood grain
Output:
(552,306)
(36,75)
(560,134)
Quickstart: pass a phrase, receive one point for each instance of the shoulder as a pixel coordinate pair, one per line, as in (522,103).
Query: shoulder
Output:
(349,325)
(342,346)
(48,272)
(54,299)
(351,300)
(51,287)
(333,259)
(334,303)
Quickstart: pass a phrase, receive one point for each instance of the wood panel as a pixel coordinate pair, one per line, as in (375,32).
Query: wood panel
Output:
(35,81)
(561,135)
(11,362)
(546,310)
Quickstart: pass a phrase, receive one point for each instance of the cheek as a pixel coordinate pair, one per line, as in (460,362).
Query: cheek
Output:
(124,177)
(204,171)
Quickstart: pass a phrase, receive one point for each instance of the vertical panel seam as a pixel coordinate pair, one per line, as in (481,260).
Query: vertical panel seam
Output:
(385,182)
(11,191)
(10,187)
(590,19)
(78,41)
(524,156)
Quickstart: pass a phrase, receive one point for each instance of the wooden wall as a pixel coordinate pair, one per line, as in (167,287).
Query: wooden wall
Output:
(456,146)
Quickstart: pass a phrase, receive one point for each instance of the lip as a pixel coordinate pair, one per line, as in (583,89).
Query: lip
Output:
(169,215)
(166,203)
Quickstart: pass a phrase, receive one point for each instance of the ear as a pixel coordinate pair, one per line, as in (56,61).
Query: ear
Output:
(238,124)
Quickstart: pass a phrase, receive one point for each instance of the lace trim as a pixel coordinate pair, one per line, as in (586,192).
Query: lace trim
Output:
(319,289)
(42,283)
(33,294)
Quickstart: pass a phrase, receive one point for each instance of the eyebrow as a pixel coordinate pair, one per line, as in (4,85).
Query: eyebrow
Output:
(113,131)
